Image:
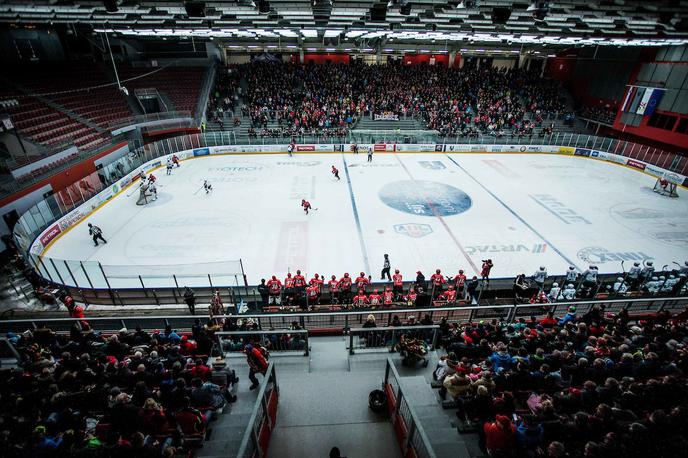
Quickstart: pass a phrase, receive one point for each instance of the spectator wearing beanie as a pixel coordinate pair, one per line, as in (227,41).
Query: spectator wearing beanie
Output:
(500,436)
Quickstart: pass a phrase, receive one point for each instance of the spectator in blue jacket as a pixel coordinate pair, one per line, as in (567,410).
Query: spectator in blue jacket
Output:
(570,316)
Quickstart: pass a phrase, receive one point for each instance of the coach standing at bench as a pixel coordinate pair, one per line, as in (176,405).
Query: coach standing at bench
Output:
(96,233)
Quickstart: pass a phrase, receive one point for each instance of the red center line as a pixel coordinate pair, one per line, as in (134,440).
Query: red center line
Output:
(439,217)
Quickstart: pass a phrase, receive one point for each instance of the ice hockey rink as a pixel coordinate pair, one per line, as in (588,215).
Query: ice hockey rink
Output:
(427,211)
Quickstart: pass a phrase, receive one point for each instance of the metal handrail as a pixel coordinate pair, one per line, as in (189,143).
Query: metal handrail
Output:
(270,376)
(624,303)
(393,330)
(416,424)
(262,333)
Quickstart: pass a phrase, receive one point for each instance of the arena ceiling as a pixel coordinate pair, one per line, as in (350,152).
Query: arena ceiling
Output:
(559,22)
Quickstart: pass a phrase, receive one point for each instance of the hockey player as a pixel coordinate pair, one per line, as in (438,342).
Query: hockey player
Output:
(670,283)
(360,299)
(539,277)
(96,233)
(142,175)
(317,281)
(652,286)
(289,288)
(175,160)
(460,282)
(345,288)
(153,190)
(335,172)
(398,284)
(647,272)
(274,288)
(590,277)
(333,286)
(388,296)
(306,205)
(554,293)
(450,294)
(684,268)
(151,178)
(485,272)
(620,286)
(207,186)
(290,148)
(362,281)
(633,276)
(411,297)
(312,295)
(375,299)
(299,280)
(168,166)
(437,283)
(569,293)
(571,275)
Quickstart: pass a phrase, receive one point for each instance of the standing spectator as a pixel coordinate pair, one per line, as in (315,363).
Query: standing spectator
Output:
(96,233)
(190,299)
(473,289)
(386,269)
(264,292)
(257,363)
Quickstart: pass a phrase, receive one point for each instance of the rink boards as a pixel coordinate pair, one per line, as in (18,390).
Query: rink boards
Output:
(432,209)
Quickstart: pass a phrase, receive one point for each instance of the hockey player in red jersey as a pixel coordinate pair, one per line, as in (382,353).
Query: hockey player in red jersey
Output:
(388,296)
(450,294)
(362,281)
(151,178)
(335,172)
(274,289)
(299,280)
(485,273)
(397,281)
(437,283)
(360,299)
(317,281)
(175,160)
(289,288)
(306,205)
(375,299)
(333,286)
(345,288)
(411,297)
(312,295)
(460,282)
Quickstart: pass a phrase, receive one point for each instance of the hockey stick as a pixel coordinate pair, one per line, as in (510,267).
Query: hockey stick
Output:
(197,190)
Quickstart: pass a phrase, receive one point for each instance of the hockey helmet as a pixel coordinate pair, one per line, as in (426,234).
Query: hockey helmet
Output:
(542,267)
(570,285)
(572,268)
(346,275)
(649,263)
(619,279)
(289,275)
(298,272)
(636,264)
(655,279)
(396,271)
(362,274)
(333,277)
(437,271)
(555,285)
(461,271)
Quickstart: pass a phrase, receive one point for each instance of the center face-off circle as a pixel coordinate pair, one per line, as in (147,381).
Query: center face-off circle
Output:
(425,198)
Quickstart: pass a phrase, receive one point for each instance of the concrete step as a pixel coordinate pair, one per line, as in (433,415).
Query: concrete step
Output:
(223,448)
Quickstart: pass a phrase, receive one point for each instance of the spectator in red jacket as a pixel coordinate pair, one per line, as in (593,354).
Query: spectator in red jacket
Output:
(201,371)
(257,364)
(500,436)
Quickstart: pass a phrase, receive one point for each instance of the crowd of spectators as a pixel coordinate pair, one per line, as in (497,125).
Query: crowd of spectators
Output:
(222,98)
(308,99)
(601,112)
(591,385)
(132,393)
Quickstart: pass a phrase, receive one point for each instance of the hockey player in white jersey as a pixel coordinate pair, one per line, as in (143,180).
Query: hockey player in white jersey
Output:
(554,293)
(633,276)
(569,293)
(647,272)
(652,286)
(669,284)
(169,165)
(571,275)
(207,186)
(620,286)
(539,277)
(684,269)
(589,281)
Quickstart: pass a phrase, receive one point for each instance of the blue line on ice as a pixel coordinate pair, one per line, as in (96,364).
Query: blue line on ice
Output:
(364,251)
(563,256)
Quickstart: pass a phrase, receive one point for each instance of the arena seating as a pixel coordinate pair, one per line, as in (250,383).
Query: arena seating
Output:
(181,84)
(591,385)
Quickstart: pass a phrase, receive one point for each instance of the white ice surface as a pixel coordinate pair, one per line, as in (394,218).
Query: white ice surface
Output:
(527,211)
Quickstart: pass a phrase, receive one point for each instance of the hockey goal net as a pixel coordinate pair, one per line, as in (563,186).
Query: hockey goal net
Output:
(666,186)
(145,196)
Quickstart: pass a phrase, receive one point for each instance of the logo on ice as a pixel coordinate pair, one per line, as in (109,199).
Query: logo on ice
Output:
(413,230)
(600,255)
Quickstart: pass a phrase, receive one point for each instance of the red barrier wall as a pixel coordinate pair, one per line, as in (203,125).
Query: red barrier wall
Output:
(419,59)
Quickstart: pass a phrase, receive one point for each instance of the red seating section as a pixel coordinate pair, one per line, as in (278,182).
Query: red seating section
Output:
(181,84)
